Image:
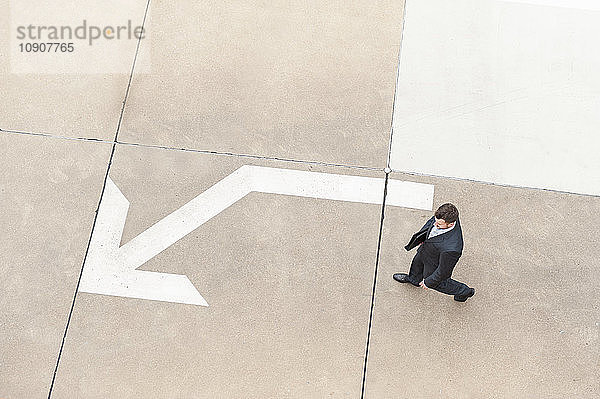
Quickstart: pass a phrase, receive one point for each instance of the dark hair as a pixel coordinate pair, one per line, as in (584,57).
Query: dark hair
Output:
(448,212)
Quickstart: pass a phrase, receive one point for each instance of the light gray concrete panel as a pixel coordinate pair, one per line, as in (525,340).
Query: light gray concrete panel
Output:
(531,330)
(302,80)
(507,91)
(288,281)
(49,191)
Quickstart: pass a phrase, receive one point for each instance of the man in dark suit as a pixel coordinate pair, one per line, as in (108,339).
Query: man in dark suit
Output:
(440,245)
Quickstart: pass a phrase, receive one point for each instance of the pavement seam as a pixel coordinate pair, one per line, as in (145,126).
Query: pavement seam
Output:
(389,155)
(261,157)
(464,179)
(79,279)
(364,377)
(192,150)
(299,161)
(112,153)
(387,173)
(54,136)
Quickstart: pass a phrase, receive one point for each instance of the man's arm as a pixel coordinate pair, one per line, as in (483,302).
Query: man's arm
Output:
(446,264)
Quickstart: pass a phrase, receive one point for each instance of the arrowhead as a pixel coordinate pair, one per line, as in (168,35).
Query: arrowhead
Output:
(107,270)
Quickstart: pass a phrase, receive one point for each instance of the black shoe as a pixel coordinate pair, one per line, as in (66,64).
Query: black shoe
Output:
(463,298)
(403,278)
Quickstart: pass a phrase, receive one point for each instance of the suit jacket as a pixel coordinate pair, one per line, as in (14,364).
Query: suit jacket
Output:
(439,254)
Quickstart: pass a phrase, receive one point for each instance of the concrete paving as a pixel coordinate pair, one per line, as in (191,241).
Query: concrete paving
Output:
(288,279)
(307,81)
(532,328)
(49,191)
(60,101)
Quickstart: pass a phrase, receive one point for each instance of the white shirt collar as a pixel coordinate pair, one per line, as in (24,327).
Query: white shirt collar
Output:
(435,231)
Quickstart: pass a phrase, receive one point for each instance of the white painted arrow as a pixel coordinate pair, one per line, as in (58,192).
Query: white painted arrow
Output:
(110,269)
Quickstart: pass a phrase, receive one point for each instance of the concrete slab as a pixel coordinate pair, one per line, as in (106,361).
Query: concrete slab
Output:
(43,92)
(288,281)
(308,81)
(532,328)
(506,90)
(49,190)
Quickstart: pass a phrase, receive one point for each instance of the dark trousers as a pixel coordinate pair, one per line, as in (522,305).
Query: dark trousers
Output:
(448,286)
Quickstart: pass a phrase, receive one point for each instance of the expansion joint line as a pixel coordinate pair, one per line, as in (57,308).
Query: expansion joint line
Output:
(364,378)
(112,153)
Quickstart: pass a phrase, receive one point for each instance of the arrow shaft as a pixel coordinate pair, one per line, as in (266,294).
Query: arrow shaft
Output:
(184,220)
(248,178)
(368,190)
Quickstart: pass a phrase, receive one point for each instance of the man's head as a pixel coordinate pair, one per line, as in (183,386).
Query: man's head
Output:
(446,216)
